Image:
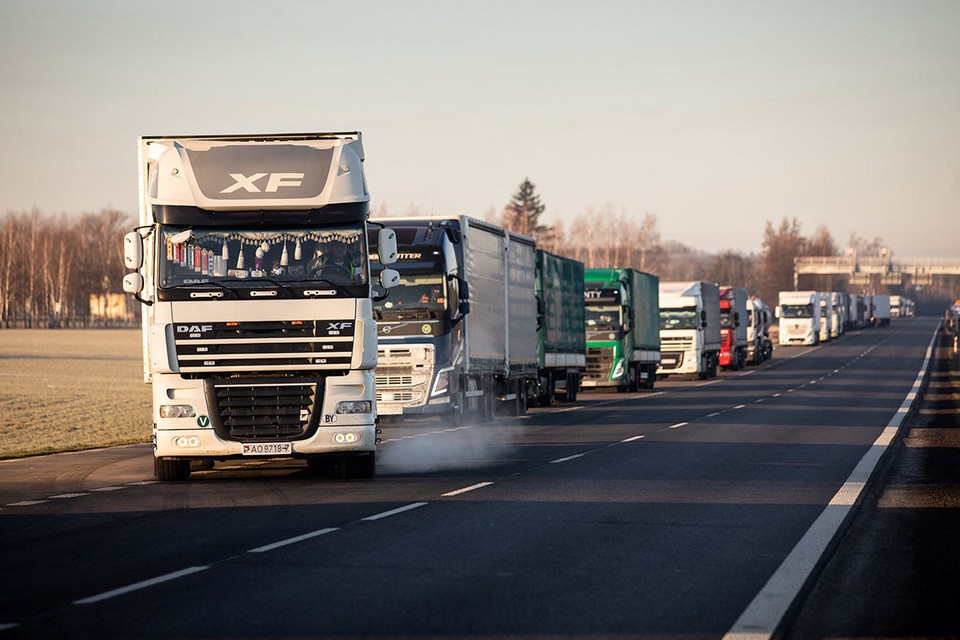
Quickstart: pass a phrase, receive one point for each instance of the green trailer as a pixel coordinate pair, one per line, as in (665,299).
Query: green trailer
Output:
(622,328)
(561,342)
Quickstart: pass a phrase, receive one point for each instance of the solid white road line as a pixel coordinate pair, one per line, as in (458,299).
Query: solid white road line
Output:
(106,595)
(763,615)
(283,543)
(479,485)
(387,514)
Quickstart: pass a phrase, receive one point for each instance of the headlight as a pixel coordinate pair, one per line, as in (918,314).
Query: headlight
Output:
(618,369)
(346,438)
(354,406)
(177,411)
(442,383)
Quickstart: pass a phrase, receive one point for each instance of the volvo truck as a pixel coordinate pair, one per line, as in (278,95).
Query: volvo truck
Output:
(251,264)
(561,341)
(689,329)
(457,337)
(733,327)
(799,314)
(622,329)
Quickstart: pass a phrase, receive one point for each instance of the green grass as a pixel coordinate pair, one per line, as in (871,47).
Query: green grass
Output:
(66,390)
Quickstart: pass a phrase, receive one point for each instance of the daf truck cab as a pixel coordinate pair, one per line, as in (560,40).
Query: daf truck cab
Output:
(258,334)
(689,329)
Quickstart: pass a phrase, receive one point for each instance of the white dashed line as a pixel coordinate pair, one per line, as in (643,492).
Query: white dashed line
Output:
(632,439)
(712,415)
(64,496)
(108,489)
(472,487)
(26,503)
(678,425)
(393,512)
(559,460)
(294,540)
(140,585)
(740,406)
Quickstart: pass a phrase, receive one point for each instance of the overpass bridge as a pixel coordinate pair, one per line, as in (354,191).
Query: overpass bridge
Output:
(862,269)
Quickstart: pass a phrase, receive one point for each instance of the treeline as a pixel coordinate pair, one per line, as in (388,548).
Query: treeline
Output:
(64,271)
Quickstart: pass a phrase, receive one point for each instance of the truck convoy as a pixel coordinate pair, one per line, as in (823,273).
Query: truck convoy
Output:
(458,334)
(622,329)
(251,264)
(561,341)
(733,327)
(689,328)
(799,314)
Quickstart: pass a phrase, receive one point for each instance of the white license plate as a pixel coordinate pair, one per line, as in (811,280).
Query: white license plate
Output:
(267,449)
(386,410)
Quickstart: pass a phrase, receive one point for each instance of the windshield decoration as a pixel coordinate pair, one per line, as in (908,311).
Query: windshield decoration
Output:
(228,257)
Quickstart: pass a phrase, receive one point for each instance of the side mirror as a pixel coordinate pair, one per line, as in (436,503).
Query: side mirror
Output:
(133,283)
(736,318)
(133,253)
(777,311)
(464,296)
(387,247)
(389,278)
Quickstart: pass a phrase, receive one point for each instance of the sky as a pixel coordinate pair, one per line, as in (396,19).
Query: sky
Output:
(717,117)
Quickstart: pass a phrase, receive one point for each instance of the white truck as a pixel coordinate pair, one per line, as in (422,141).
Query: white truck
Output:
(258,334)
(458,335)
(799,314)
(689,329)
(826,317)
(759,346)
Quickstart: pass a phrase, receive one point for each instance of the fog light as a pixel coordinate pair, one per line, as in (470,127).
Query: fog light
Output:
(346,438)
(354,406)
(187,442)
(177,411)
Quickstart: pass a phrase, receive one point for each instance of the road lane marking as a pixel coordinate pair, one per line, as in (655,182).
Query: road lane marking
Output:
(108,489)
(393,512)
(294,540)
(26,503)
(559,460)
(777,395)
(479,485)
(740,406)
(136,586)
(678,425)
(765,613)
(142,483)
(758,400)
(632,439)
(713,415)
(64,496)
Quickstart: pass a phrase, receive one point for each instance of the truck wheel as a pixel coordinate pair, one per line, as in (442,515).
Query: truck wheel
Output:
(651,380)
(358,467)
(573,382)
(167,469)
(713,366)
(633,380)
(459,415)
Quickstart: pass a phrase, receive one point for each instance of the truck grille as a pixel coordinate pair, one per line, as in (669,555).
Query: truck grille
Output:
(599,363)
(292,345)
(672,343)
(268,410)
(394,381)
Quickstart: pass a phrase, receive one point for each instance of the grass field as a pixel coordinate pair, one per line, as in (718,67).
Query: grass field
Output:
(65,390)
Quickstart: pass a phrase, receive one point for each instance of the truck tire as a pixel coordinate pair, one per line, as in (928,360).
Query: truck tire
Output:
(651,380)
(170,470)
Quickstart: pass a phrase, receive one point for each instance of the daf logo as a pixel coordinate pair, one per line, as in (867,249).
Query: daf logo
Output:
(274,182)
(194,328)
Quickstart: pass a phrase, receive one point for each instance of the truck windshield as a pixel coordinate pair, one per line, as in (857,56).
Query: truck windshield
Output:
(239,257)
(603,318)
(796,311)
(680,318)
(417,297)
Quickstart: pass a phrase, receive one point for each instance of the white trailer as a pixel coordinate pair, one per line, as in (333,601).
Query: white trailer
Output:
(258,335)
(881,309)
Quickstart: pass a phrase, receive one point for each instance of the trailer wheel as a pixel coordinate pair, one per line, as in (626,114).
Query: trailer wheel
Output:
(651,380)
(168,469)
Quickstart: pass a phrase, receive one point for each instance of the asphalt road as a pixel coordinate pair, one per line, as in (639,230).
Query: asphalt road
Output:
(662,513)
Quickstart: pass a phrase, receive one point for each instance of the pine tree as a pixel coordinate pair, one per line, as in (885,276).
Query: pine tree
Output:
(523,212)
